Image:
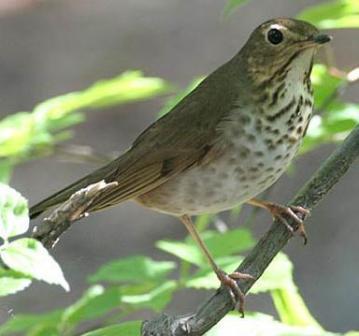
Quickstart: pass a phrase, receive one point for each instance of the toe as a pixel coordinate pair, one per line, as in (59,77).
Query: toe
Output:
(230,281)
(241,276)
(303,212)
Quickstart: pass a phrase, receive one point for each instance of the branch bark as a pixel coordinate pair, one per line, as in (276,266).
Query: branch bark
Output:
(218,305)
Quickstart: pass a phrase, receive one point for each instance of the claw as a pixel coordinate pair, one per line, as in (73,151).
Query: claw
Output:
(297,213)
(280,212)
(230,281)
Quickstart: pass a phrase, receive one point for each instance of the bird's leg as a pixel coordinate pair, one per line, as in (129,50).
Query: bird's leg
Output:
(227,280)
(297,213)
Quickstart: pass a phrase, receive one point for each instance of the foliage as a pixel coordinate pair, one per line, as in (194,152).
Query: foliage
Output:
(24,258)
(232,5)
(24,135)
(333,15)
(334,118)
(116,290)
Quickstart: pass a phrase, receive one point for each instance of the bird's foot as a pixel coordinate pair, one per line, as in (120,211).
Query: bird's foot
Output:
(296,213)
(230,282)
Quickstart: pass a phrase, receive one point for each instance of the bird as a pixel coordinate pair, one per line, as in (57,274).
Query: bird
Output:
(224,143)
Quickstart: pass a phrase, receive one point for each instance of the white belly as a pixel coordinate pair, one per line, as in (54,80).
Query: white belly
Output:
(259,145)
(252,162)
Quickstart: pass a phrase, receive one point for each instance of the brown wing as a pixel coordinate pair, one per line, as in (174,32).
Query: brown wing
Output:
(186,136)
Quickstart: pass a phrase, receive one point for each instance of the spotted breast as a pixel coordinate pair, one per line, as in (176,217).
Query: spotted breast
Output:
(260,140)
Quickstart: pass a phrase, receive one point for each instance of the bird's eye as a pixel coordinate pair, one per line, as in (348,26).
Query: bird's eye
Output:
(275,36)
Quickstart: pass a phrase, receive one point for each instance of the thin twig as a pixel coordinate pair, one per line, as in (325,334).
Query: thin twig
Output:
(52,227)
(218,305)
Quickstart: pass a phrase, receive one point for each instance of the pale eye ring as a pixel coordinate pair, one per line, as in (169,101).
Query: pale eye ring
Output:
(275,36)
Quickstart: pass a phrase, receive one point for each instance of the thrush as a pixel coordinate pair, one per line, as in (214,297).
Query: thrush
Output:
(225,142)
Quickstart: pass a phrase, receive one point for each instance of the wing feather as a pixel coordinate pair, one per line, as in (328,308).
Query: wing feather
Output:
(186,136)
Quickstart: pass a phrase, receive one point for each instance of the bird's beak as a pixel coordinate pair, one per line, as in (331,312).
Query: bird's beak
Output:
(315,41)
(321,38)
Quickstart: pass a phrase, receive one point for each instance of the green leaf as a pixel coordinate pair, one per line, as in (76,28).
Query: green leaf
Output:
(291,307)
(6,168)
(28,256)
(182,250)
(324,84)
(25,323)
(14,213)
(12,282)
(333,126)
(156,299)
(231,5)
(128,87)
(334,14)
(220,244)
(44,331)
(202,221)
(95,302)
(205,278)
(261,325)
(337,118)
(132,328)
(277,275)
(26,134)
(133,269)
(14,133)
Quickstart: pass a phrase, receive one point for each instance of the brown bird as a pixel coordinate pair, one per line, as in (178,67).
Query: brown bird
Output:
(224,143)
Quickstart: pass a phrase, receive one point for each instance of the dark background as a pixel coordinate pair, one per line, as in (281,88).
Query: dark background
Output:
(53,47)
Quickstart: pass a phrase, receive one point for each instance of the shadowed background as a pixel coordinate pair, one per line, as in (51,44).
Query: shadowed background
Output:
(53,47)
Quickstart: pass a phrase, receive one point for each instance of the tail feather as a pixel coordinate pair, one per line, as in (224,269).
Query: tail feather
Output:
(57,198)
(64,194)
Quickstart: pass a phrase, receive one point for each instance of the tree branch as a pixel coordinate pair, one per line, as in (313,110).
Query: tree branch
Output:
(218,305)
(52,227)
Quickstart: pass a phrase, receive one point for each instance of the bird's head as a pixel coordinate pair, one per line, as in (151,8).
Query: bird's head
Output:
(279,44)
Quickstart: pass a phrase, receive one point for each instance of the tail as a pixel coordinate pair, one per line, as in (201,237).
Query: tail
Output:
(64,194)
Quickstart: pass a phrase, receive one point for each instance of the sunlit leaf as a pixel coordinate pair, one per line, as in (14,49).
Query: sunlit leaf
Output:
(129,86)
(15,131)
(220,244)
(24,323)
(12,282)
(334,125)
(324,84)
(231,5)
(14,213)
(156,299)
(336,118)
(185,251)
(25,133)
(277,275)
(205,278)
(28,256)
(291,307)
(95,302)
(133,269)
(6,168)
(132,328)
(333,14)
(261,325)
(44,331)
